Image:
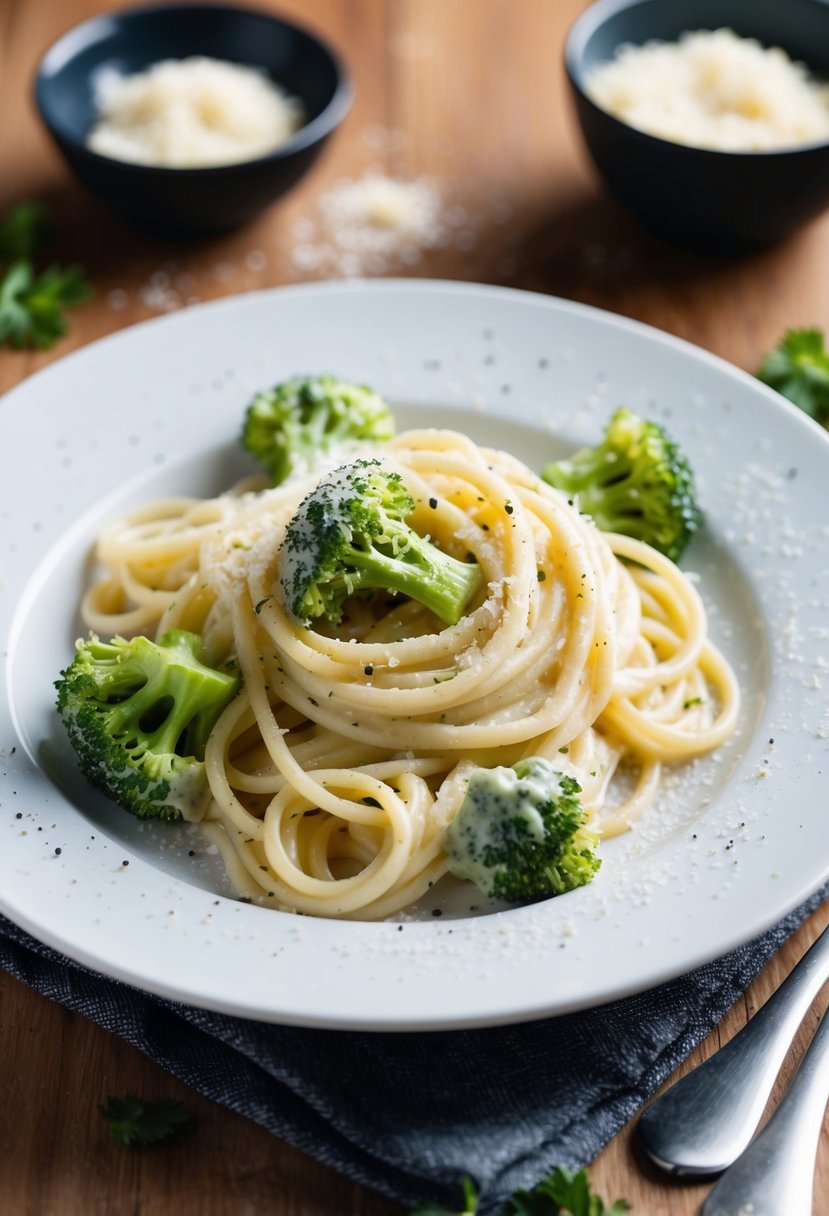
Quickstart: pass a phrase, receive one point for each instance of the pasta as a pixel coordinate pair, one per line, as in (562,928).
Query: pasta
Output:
(335,770)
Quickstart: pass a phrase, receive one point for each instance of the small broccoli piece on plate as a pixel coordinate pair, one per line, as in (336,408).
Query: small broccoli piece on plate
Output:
(636,481)
(349,536)
(521,833)
(297,424)
(138,714)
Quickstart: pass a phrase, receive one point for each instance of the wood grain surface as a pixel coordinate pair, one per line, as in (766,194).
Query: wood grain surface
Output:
(471,95)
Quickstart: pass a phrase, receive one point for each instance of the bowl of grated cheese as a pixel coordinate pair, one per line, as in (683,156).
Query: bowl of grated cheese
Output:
(707,119)
(189,119)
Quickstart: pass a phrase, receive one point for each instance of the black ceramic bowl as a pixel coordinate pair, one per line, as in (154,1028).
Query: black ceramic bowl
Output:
(189,202)
(719,201)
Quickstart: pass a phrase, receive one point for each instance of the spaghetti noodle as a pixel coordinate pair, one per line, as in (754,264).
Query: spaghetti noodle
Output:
(337,767)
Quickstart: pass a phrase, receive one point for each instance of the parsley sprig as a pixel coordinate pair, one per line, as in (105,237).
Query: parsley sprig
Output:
(561,1193)
(33,304)
(23,231)
(135,1122)
(798,367)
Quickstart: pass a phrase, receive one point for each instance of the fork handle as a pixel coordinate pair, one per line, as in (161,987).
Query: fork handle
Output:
(776,1172)
(707,1118)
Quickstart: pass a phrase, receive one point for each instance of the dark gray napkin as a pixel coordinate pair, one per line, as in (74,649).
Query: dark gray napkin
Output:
(410,1114)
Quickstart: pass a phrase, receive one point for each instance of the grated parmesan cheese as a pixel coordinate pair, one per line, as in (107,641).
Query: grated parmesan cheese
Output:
(713,89)
(192,113)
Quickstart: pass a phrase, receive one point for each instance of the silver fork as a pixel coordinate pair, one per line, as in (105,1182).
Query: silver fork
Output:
(775,1174)
(705,1121)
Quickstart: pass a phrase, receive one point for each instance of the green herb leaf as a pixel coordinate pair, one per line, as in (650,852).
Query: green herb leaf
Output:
(23,231)
(32,307)
(432,1209)
(562,1193)
(134,1122)
(798,367)
(470,1204)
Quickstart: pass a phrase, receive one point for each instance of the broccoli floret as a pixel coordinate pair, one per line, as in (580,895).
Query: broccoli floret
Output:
(296,424)
(138,714)
(636,481)
(349,536)
(520,833)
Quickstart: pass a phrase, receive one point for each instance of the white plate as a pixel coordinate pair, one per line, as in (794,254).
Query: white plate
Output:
(738,840)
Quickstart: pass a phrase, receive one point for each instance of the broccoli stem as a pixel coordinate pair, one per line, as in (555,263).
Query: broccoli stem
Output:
(592,474)
(167,698)
(417,569)
(610,502)
(317,432)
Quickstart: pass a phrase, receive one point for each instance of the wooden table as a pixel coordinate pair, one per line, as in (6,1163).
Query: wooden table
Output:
(471,95)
